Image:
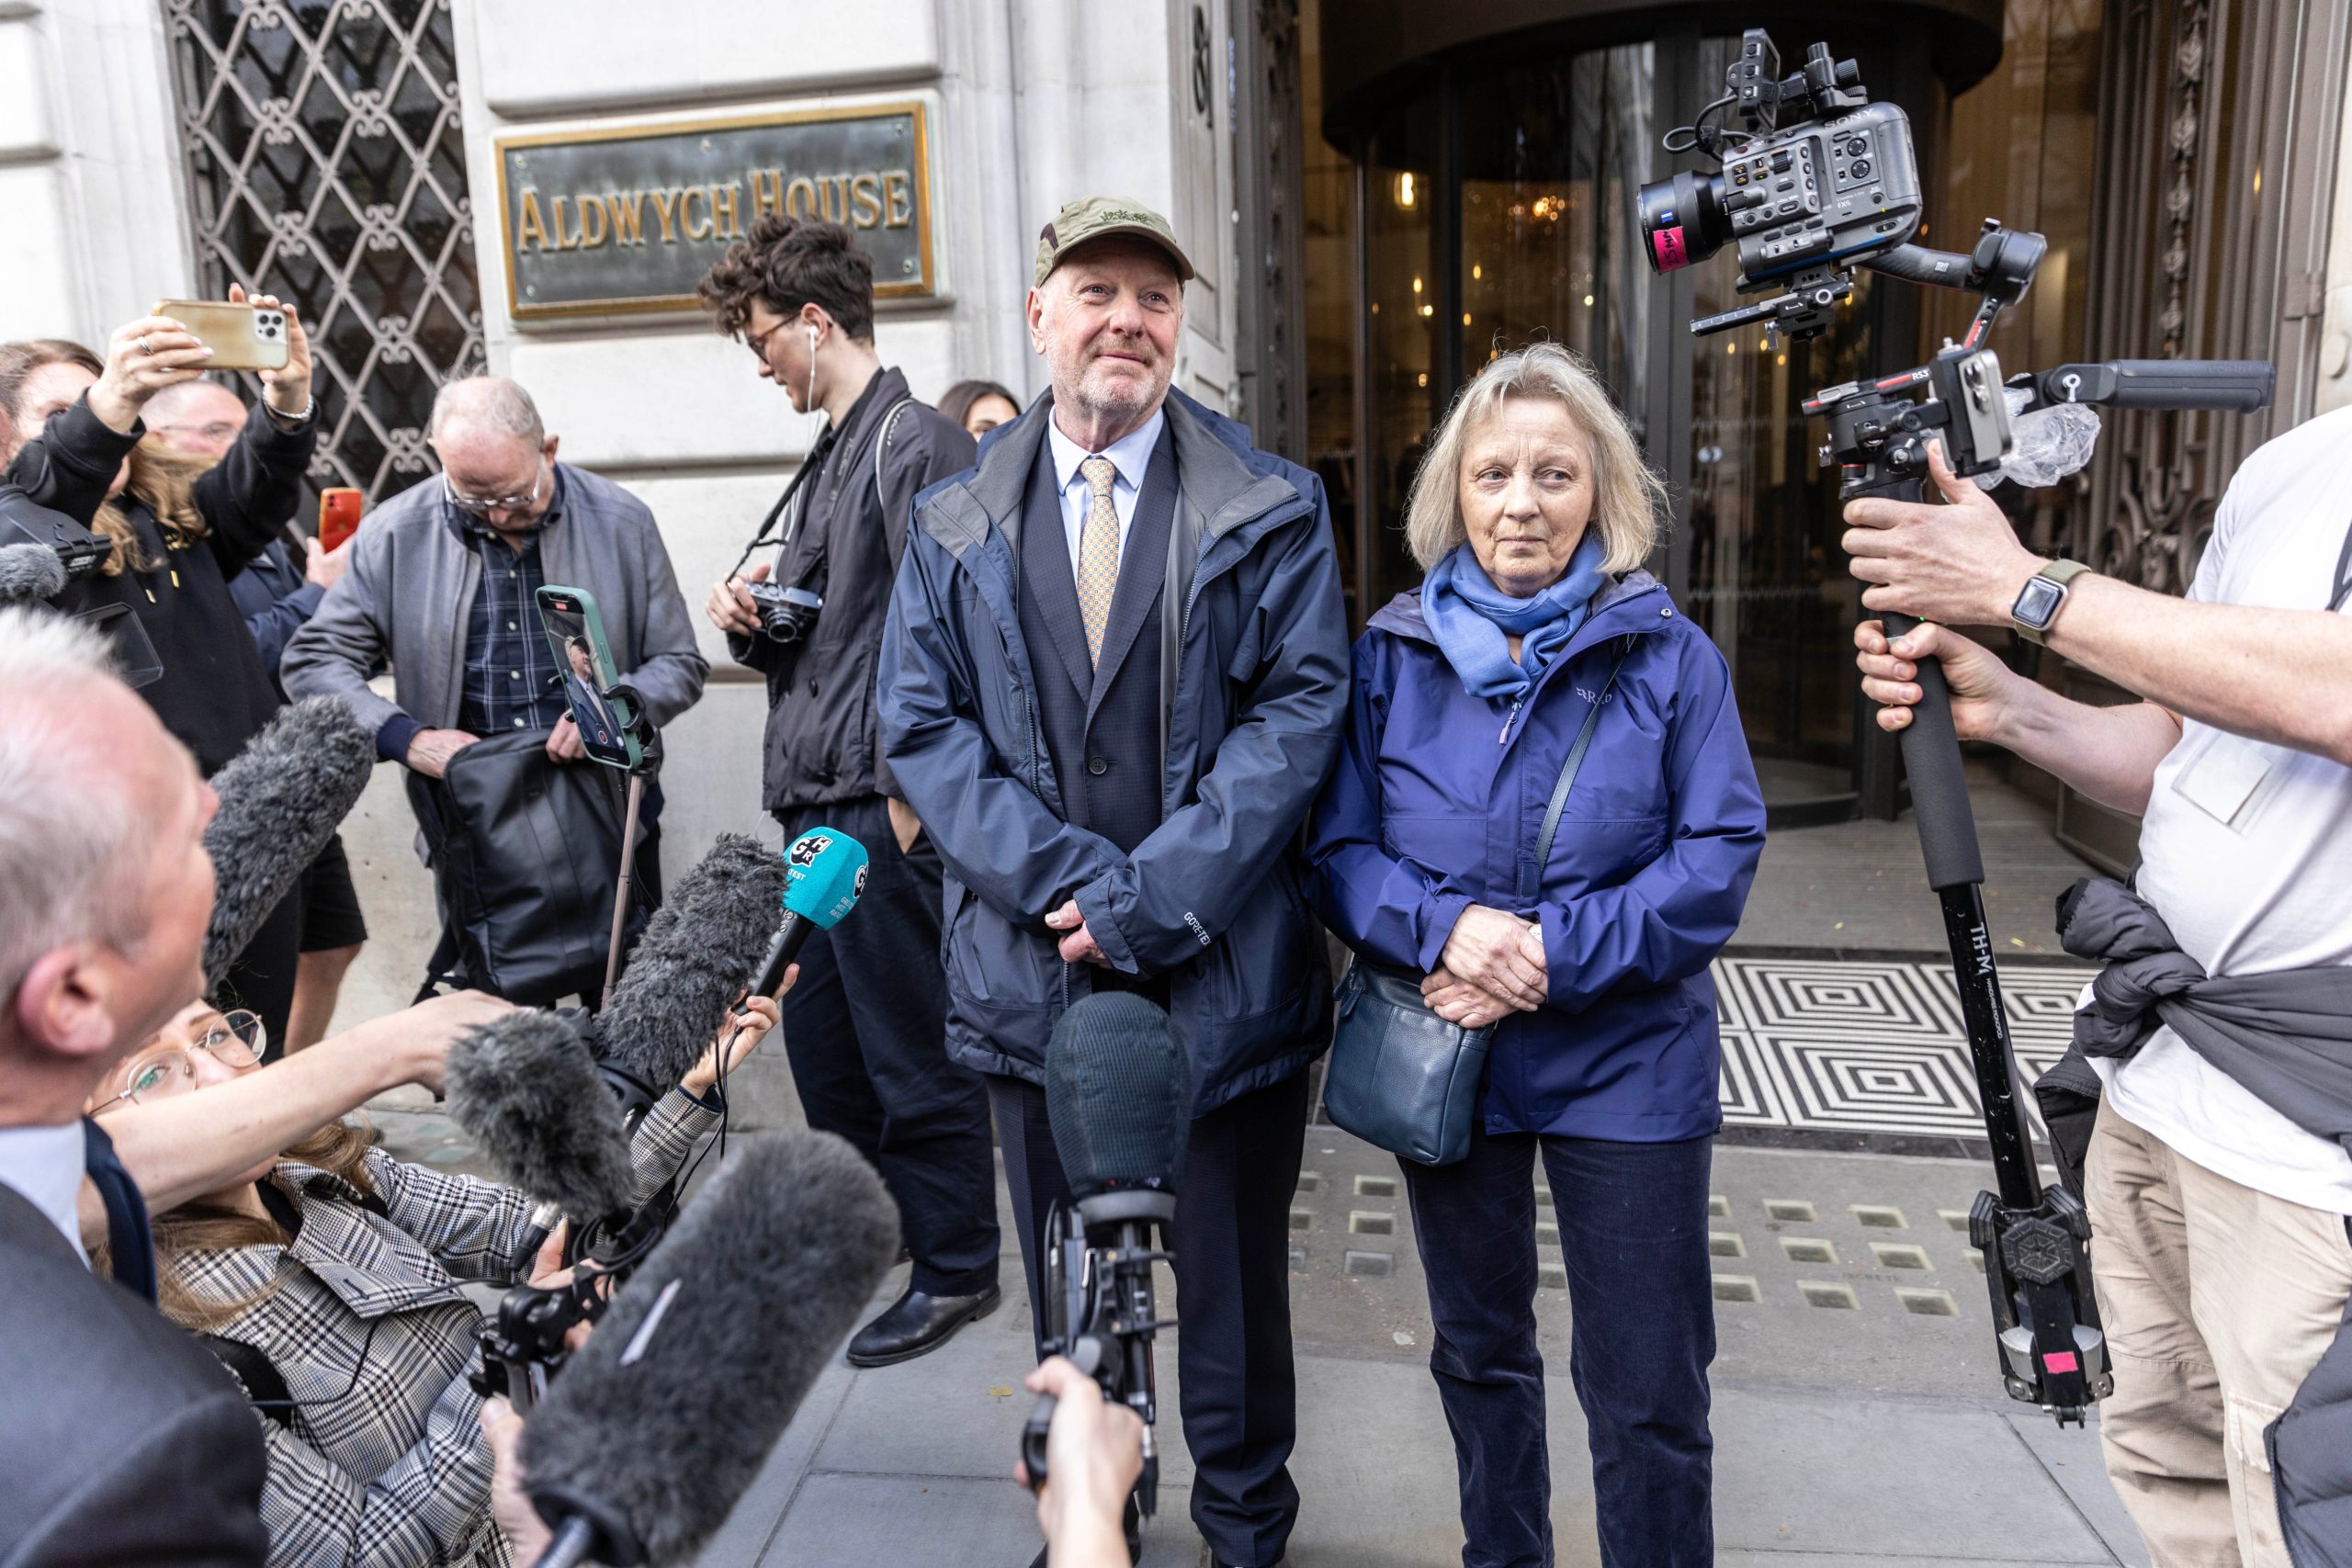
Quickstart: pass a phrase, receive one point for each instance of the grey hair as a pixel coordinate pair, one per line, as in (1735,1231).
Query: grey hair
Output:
(1628,498)
(71,828)
(492,402)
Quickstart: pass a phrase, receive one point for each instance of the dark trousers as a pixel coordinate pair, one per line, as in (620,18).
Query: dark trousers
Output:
(261,978)
(1232,1268)
(1634,1235)
(867,1029)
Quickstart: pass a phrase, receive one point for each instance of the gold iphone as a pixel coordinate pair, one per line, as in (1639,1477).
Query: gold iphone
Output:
(241,337)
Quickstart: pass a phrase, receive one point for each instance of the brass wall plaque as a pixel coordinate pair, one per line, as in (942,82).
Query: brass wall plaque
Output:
(626,220)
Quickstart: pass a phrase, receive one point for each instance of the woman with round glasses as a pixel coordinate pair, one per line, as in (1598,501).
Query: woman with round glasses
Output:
(333,1269)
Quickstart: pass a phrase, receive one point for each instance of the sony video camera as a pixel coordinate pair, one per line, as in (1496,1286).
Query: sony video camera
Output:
(1804,201)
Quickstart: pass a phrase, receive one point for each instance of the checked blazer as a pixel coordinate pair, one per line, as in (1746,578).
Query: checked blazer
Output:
(381,1462)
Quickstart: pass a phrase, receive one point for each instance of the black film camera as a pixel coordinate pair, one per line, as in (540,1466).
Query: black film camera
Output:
(1807,204)
(1100,1314)
(787,615)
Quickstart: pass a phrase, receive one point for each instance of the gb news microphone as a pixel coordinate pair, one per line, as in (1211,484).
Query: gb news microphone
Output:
(662,1420)
(1119,1098)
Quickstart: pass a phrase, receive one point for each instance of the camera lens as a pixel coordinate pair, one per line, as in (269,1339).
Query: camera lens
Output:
(1682,220)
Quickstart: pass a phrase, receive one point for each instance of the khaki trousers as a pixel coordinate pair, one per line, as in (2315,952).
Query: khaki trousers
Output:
(2217,1301)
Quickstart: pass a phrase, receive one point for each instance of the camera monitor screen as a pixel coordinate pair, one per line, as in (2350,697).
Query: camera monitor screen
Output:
(584,663)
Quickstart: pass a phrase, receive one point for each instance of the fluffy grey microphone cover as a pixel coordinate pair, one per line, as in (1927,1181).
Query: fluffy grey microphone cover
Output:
(773,1262)
(281,798)
(696,954)
(526,1088)
(29,572)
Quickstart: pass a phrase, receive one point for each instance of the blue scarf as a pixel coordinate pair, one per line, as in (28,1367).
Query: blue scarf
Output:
(1470,618)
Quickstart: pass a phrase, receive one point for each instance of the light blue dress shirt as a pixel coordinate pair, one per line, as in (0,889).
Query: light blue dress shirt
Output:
(1130,455)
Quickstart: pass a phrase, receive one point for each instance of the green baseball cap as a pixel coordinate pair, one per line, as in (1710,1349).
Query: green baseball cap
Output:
(1099,217)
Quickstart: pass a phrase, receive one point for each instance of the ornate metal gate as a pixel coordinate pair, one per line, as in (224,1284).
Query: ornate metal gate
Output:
(325,165)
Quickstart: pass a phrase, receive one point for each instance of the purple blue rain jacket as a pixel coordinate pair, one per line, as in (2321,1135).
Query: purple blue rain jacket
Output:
(1436,805)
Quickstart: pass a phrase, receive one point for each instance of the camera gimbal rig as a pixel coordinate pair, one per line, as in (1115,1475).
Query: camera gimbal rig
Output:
(1099,1308)
(1809,203)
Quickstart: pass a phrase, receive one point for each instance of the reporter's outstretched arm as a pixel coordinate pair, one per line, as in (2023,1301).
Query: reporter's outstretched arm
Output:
(188,1145)
(1093,1454)
(667,1137)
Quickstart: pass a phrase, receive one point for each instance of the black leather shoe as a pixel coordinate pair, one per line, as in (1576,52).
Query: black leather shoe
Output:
(917,1323)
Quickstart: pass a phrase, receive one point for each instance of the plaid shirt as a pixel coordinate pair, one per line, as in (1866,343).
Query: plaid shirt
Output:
(511,679)
(382,1462)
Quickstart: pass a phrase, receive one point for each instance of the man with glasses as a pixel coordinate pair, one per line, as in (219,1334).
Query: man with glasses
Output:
(441,584)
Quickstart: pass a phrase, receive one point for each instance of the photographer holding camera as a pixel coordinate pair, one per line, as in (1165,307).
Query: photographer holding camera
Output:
(2220,1238)
(866,1027)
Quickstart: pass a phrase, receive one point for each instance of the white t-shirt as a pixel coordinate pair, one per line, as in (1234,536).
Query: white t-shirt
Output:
(2271,888)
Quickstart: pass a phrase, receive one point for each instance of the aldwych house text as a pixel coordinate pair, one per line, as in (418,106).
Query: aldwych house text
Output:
(583,221)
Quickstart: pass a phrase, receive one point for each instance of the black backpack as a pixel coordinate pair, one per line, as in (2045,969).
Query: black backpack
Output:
(525,853)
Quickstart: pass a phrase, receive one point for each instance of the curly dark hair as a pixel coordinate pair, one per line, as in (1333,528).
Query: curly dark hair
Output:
(786,263)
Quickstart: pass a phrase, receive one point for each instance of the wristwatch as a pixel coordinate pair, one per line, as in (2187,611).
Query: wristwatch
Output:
(2039,600)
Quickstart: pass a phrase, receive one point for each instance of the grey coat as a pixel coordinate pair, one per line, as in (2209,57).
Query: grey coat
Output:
(410,588)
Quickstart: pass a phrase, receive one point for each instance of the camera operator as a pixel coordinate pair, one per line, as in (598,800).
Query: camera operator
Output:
(2239,758)
(867,1032)
(1094,1453)
(104,893)
(181,531)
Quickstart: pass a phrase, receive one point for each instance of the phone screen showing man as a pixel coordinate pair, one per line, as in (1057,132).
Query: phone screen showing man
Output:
(577,634)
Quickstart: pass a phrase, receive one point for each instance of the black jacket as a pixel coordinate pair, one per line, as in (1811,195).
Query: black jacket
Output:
(821,743)
(214,692)
(124,1443)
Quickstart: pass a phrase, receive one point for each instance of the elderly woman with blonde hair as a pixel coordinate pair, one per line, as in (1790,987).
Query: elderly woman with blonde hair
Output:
(1544,814)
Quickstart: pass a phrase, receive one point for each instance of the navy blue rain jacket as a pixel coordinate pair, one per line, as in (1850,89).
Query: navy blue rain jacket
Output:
(1254,687)
(1437,802)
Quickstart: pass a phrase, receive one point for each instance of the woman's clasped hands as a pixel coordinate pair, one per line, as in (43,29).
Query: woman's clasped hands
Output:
(1492,967)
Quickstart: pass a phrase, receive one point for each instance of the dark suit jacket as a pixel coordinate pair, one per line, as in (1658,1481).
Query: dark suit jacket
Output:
(123,1442)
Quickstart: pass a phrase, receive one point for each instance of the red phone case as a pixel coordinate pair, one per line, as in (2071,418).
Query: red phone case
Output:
(338,516)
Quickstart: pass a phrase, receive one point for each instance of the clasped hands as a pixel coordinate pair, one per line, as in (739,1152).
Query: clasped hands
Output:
(1492,967)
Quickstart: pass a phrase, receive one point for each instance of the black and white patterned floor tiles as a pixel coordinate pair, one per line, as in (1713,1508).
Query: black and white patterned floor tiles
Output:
(1868,1053)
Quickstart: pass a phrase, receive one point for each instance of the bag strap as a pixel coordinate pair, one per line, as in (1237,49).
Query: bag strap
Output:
(1576,761)
(264,1388)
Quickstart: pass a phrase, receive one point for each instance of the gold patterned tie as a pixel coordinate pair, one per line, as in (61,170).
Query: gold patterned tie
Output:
(1098,553)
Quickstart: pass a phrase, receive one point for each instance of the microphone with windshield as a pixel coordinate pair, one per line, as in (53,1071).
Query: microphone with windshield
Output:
(662,1419)
(1119,1098)
(281,800)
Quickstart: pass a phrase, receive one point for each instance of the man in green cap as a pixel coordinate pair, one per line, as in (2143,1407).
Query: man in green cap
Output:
(1112,681)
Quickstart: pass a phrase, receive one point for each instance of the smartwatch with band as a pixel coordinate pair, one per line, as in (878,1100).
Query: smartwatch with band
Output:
(2039,600)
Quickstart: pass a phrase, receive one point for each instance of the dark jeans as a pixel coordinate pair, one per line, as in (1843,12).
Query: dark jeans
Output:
(1232,1269)
(1634,1236)
(867,1029)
